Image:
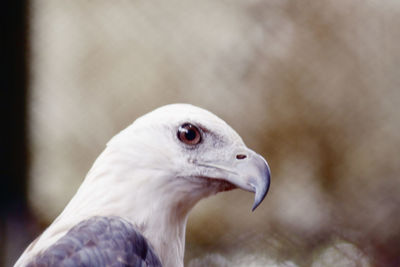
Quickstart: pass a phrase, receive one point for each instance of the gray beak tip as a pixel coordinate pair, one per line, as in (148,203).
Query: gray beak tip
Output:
(261,188)
(254,207)
(259,197)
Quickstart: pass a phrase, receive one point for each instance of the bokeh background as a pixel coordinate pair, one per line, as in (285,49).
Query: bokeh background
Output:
(311,85)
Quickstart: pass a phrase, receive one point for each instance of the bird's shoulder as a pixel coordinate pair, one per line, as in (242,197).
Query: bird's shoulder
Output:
(99,241)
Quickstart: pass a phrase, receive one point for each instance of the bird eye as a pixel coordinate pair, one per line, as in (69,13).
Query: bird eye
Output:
(189,134)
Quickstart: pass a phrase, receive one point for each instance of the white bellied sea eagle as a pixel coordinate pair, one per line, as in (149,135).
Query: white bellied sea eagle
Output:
(132,207)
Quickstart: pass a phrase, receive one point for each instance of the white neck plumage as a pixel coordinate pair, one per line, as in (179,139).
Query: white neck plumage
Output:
(155,202)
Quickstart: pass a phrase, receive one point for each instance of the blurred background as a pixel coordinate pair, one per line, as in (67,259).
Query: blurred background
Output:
(313,86)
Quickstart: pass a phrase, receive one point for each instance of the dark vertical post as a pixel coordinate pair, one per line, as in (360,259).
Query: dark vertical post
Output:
(13,129)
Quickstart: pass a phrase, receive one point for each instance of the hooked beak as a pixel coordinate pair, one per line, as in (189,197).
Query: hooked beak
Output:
(254,175)
(248,171)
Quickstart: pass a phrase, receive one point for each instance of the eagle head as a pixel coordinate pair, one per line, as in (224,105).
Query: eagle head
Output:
(192,154)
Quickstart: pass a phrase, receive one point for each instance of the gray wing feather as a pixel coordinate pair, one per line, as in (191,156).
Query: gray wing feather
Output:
(99,241)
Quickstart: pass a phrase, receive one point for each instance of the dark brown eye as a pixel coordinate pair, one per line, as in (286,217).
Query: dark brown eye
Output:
(189,134)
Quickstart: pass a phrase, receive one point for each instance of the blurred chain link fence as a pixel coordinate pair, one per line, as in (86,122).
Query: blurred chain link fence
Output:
(311,85)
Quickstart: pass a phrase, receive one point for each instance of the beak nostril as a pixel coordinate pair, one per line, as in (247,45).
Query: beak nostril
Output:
(241,156)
